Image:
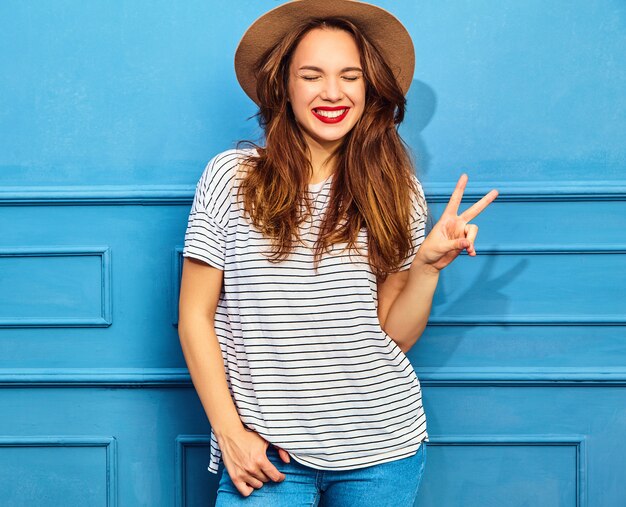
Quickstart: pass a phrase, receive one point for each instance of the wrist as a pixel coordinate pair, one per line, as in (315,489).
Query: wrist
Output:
(228,434)
(224,429)
(420,266)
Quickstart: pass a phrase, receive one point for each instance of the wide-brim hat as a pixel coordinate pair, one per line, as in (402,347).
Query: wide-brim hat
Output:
(379,26)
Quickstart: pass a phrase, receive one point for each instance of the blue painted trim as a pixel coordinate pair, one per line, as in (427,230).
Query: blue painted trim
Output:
(107,284)
(182,442)
(177,266)
(93,377)
(95,195)
(109,443)
(538,319)
(535,191)
(493,320)
(522,376)
(437,377)
(552,248)
(106,297)
(435,192)
(530,320)
(578,441)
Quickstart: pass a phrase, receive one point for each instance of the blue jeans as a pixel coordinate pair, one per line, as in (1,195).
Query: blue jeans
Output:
(393,484)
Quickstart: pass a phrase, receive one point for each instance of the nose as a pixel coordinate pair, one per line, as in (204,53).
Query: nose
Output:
(332,90)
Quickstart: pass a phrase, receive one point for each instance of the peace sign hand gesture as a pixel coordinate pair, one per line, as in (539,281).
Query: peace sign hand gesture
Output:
(452,233)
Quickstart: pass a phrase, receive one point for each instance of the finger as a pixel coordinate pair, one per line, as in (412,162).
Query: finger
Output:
(271,471)
(254,470)
(254,482)
(284,455)
(457,196)
(457,244)
(244,488)
(471,230)
(258,476)
(473,211)
(244,483)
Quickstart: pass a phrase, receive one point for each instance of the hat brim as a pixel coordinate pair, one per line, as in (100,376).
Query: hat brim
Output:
(381,27)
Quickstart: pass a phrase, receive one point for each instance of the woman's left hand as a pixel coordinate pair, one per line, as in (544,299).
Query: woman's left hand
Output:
(452,233)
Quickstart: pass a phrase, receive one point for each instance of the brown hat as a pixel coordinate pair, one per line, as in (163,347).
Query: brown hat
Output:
(382,28)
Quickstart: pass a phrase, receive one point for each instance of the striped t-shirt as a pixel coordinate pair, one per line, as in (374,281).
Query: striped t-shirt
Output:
(307,364)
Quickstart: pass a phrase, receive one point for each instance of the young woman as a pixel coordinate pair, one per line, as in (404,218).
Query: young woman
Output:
(307,274)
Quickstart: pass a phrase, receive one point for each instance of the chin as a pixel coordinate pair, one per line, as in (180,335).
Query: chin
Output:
(329,138)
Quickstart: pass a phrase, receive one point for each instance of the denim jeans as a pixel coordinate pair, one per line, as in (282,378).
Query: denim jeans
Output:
(393,484)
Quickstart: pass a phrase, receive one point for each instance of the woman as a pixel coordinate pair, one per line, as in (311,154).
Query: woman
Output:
(307,276)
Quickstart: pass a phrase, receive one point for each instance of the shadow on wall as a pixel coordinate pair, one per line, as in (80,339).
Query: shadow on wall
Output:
(450,297)
(421,105)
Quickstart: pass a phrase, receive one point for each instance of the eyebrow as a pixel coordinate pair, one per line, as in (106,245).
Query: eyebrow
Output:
(317,69)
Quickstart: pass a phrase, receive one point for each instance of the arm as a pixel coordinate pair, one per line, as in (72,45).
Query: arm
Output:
(199,293)
(243,451)
(405,298)
(404,302)
(410,296)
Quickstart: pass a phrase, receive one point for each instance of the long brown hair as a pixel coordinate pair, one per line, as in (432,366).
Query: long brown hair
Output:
(373,183)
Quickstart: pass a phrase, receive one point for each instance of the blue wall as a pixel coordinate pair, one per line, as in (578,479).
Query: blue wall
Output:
(109,112)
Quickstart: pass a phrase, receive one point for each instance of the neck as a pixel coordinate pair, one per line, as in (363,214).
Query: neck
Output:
(322,163)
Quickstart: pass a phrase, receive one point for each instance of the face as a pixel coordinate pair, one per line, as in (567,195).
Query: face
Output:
(326,86)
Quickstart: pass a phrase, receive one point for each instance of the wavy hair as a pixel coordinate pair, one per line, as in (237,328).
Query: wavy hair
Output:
(373,182)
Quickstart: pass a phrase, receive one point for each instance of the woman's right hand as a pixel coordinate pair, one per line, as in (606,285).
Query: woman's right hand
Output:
(245,457)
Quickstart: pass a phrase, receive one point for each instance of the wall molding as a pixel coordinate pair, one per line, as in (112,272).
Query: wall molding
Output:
(533,191)
(97,195)
(109,443)
(482,320)
(553,249)
(182,443)
(577,441)
(183,194)
(449,376)
(175,276)
(105,318)
(526,250)
(437,377)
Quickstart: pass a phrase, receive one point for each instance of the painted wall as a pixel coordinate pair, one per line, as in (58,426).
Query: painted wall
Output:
(109,112)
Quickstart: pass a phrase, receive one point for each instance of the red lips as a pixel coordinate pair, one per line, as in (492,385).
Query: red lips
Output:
(328,119)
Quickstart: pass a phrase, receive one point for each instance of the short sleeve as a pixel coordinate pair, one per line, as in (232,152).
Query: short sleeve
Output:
(419,214)
(205,237)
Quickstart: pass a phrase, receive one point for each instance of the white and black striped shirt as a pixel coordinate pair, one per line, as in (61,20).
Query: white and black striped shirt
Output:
(307,364)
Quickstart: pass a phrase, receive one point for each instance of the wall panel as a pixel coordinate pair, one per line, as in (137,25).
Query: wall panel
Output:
(109,113)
